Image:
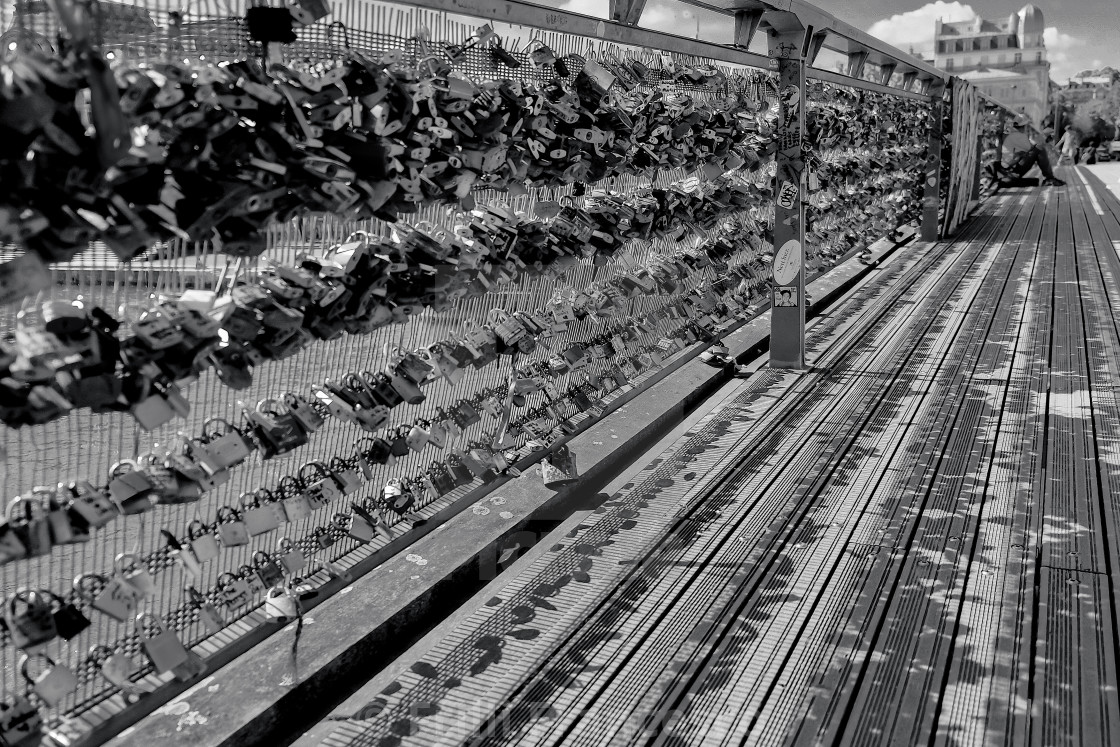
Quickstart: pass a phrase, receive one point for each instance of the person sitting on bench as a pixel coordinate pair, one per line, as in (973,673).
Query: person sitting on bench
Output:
(1022,153)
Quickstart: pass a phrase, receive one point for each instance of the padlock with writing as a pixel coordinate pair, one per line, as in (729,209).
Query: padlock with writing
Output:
(234,590)
(109,595)
(93,506)
(319,485)
(304,411)
(21,724)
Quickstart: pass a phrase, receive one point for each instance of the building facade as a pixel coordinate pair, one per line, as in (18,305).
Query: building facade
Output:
(1005,59)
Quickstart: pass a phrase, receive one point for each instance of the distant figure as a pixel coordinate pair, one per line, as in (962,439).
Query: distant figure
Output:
(1020,153)
(1067,147)
(1089,145)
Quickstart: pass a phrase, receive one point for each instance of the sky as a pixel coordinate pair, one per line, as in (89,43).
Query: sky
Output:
(1080,34)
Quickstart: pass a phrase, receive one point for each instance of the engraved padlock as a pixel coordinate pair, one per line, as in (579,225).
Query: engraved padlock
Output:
(319,485)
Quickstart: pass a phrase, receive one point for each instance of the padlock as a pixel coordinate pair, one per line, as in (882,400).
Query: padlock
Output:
(291,560)
(355,526)
(159,643)
(407,389)
(67,527)
(29,617)
(208,614)
(53,683)
(276,428)
(224,444)
(259,519)
(116,668)
(397,496)
(507,328)
(269,571)
(347,474)
(323,537)
(133,570)
(202,541)
(253,579)
(319,485)
(304,411)
(558,469)
(234,590)
(91,505)
(438,434)
(409,364)
(381,387)
(130,489)
(69,621)
(21,724)
(112,596)
(231,529)
(292,497)
(418,435)
(281,605)
(27,519)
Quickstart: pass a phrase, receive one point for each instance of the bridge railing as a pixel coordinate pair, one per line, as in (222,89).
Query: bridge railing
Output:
(742,175)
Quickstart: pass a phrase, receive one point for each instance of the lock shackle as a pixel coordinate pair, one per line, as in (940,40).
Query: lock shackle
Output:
(88,585)
(144,619)
(270,406)
(20,500)
(254,501)
(227,515)
(290,486)
(31,598)
(197,528)
(244,571)
(127,561)
(345,34)
(209,434)
(285,545)
(291,399)
(261,558)
(226,579)
(122,467)
(25,662)
(322,472)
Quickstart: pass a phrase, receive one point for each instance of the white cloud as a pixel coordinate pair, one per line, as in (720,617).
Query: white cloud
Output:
(1059,47)
(915,28)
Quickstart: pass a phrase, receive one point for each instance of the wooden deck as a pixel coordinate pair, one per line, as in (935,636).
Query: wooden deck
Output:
(913,543)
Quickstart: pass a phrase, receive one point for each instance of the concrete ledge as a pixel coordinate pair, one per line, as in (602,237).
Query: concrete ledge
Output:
(275,691)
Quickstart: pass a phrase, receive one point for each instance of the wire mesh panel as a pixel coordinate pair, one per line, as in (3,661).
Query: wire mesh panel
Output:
(678,233)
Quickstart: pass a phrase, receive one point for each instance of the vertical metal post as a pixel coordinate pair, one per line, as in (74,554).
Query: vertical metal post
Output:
(979,155)
(931,186)
(1000,134)
(787,312)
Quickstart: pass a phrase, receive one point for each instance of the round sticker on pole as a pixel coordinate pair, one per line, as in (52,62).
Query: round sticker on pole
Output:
(787,262)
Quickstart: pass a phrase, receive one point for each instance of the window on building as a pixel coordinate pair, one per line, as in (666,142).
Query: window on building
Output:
(1018,57)
(1038,56)
(976,44)
(958,46)
(993,43)
(1013,42)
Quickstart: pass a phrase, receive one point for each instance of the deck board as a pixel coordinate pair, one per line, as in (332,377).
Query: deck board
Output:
(910,543)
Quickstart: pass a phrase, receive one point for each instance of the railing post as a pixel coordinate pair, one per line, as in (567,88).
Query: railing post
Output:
(931,186)
(787,312)
(1000,134)
(979,155)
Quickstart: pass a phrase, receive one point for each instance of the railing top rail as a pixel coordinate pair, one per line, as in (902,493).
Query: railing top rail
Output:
(841,36)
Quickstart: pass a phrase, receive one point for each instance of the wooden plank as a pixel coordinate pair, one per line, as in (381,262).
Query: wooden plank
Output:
(1075,666)
(985,694)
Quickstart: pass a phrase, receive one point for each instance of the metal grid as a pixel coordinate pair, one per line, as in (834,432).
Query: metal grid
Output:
(86,445)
